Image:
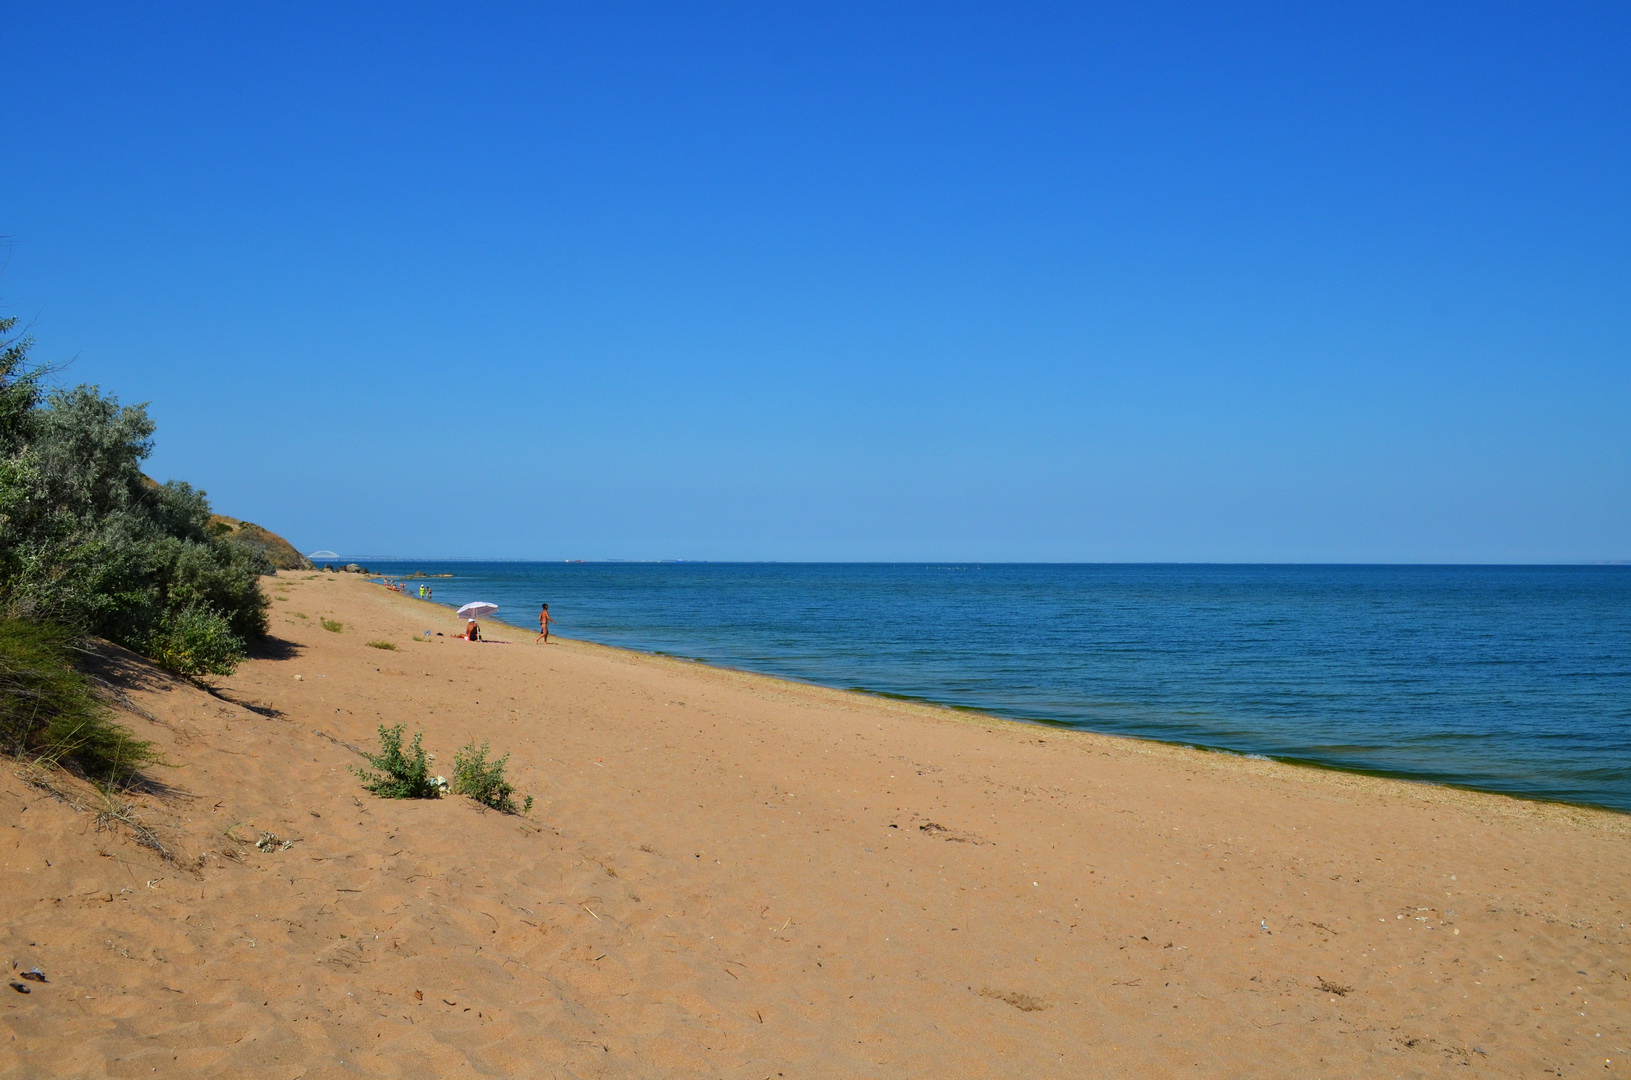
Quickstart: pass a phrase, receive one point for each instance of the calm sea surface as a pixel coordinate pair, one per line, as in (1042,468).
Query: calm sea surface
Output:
(1509,679)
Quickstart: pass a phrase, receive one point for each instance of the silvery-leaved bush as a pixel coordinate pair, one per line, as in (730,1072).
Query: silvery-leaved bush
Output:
(440,784)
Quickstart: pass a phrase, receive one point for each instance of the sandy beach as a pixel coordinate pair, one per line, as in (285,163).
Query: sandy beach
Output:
(728,875)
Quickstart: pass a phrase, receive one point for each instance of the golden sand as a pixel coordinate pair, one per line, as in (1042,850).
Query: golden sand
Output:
(727,875)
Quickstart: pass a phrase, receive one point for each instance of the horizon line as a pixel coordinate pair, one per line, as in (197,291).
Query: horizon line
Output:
(979,562)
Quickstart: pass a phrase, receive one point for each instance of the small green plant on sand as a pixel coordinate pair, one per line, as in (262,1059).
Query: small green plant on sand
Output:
(382,645)
(483,780)
(402,774)
(333,625)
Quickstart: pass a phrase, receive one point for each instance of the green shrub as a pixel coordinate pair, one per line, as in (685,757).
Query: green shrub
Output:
(90,542)
(382,645)
(47,710)
(483,780)
(196,641)
(333,625)
(401,775)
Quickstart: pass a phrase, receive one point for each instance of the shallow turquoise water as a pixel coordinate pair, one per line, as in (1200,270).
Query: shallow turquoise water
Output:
(1510,679)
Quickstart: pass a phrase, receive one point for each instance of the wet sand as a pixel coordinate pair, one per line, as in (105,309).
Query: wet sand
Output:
(727,875)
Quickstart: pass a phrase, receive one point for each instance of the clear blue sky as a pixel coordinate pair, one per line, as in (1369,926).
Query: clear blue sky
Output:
(1262,282)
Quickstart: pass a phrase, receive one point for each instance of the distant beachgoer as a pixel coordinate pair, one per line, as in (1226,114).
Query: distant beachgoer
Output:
(472,632)
(544,619)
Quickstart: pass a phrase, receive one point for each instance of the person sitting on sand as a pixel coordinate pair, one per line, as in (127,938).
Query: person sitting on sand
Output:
(544,619)
(472,632)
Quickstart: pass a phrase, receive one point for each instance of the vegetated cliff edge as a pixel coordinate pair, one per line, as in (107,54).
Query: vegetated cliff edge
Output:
(278,551)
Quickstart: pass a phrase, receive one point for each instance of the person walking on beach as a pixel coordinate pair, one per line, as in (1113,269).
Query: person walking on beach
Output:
(544,619)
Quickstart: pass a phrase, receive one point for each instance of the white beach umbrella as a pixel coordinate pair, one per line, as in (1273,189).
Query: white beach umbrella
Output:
(477,609)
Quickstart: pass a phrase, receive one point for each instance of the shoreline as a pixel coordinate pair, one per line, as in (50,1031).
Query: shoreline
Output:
(730,874)
(1069,726)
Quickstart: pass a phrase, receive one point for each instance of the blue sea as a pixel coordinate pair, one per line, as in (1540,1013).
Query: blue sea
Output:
(1512,679)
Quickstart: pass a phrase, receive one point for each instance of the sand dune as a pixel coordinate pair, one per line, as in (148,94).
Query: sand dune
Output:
(726,875)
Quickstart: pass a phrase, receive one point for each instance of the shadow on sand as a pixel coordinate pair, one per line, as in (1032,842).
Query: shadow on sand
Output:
(274,648)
